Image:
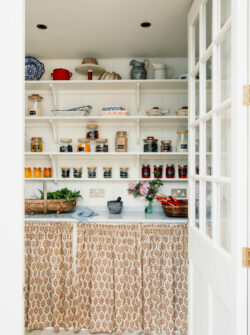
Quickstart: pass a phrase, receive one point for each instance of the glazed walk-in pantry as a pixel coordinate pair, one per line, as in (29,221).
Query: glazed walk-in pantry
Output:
(149,127)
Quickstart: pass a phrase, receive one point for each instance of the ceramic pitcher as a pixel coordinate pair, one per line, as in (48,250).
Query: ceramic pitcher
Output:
(139,69)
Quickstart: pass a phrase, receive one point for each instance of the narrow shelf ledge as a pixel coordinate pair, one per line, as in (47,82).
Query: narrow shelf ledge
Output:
(165,180)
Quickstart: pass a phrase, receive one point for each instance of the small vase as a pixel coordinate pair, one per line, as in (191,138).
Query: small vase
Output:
(148,208)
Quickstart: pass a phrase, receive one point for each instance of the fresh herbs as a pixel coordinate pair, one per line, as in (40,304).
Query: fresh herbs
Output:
(64,193)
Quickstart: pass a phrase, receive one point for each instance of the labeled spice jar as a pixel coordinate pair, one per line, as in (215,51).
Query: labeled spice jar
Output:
(27,172)
(121,141)
(166,146)
(150,144)
(182,171)
(77,172)
(146,171)
(66,145)
(158,171)
(37,172)
(36,144)
(101,145)
(34,105)
(92,132)
(124,171)
(107,172)
(83,145)
(92,171)
(65,172)
(182,140)
(170,171)
(47,172)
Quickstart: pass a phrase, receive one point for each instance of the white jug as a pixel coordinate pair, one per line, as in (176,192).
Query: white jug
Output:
(159,71)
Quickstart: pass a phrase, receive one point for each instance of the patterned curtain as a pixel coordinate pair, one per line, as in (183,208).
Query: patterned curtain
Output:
(48,275)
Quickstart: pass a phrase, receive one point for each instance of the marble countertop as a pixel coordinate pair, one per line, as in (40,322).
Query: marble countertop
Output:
(128,215)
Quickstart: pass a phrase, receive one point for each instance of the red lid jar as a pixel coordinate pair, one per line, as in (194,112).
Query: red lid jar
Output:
(158,171)
(146,171)
(61,74)
(182,171)
(170,171)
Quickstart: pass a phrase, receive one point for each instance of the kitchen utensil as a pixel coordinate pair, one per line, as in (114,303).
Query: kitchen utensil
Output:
(110,76)
(34,69)
(61,74)
(77,111)
(115,207)
(139,69)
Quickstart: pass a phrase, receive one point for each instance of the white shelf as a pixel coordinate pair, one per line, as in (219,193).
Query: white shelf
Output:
(106,154)
(107,179)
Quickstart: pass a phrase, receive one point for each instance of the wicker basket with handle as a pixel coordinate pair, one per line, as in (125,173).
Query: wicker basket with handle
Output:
(177,211)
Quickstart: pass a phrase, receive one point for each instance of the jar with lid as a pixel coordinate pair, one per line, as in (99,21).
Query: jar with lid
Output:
(107,172)
(166,146)
(83,145)
(182,140)
(34,105)
(92,171)
(102,145)
(124,171)
(47,172)
(146,171)
(150,144)
(66,145)
(92,132)
(37,172)
(65,172)
(170,171)
(77,172)
(158,171)
(121,141)
(182,171)
(36,144)
(27,172)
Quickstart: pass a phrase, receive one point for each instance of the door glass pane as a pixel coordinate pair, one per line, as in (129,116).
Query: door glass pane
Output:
(197,96)
(225,66)
(197,150)
(197,40)
(209,8)
(225,144)
(209,84)
(209,209)
(225,11)
(225,215)
(197,204)
(209,147)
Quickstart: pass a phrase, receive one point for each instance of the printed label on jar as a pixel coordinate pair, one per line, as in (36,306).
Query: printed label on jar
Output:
(100,148)
(145,174)
(92,174)
(81,149)
(120,146)
(123,174)
(170,173)
(167,148)
(36,147)
(32,112)
(77,174)
(183,146)
(65,174)
(183,173)
(64,148)
(107,174)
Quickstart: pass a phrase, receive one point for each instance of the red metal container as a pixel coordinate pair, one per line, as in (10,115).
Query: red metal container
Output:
(61,74)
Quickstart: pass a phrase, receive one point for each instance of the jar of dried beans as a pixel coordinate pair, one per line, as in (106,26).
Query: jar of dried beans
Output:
(121,141)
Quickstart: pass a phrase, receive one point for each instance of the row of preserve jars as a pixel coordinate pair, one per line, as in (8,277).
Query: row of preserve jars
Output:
(91,172)
(151,143)
(169,172)
(37,172)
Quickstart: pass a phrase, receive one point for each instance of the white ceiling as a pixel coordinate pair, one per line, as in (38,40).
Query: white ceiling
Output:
(106,28)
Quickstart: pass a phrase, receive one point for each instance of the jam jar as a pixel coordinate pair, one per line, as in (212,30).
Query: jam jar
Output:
(124,171)
(101,145)
(182,171)
(107,172)
(66,145)
(166,146)
(65,172)
(158,171)
(36,144)
(121,141)
(146,171)
(37,172)
(170,171)
(34,105)
(92,171)
(92,132)
(182,140)
(150,144)
(47,172)
(27,172)
(83,145)
(77,172)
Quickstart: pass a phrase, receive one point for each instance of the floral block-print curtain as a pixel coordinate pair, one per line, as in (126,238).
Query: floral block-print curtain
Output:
(48,275)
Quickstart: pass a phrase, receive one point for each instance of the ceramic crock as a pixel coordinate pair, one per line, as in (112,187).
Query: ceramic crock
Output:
(61,74)
(139,69)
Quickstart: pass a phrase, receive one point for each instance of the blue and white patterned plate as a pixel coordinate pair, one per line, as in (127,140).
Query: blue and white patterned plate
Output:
(33,68)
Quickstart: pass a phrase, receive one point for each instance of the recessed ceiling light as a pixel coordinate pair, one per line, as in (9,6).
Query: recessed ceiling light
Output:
(41,26)
(145,24)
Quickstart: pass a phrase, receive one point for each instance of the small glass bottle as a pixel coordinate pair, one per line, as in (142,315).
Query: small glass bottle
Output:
(182,140)
(166,146)
(66,145)
(121,141)
(65,172)
(124,171)
(47,172)
(92,171)
(83,145)
(150,144)
(77,172)
(146,171)
(107,172)
(158,171)
(36,144)
(182,171)
(170,171)
(37,172)
(102,145)
(92,133)
(34,105)
(27,172)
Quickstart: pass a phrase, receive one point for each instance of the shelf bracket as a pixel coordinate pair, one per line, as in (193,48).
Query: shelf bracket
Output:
(54,130)
(137,96)
(54,95)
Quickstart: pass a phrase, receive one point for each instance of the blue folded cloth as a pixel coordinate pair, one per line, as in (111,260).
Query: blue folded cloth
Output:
(82,213)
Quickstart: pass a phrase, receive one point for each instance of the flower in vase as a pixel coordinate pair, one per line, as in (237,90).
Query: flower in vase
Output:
(132,187)
(144,188)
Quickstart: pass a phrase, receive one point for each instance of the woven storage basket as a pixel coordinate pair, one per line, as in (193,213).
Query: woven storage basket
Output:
(177,211)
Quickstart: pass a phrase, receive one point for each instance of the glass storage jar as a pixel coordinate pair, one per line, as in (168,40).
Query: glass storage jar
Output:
(158,171)
(92,132)
(66,145)
(121,141)
(182,171)
(27,172)
(34,105)
(36,144)
(47,172)
(77,172)
(150,144)
(101,145)
(83,145)
(124,171)
(182,140)
(65,172)
(166,146)
(146,171)
(170,171)
(92,171)
(37,172)
(107,172)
